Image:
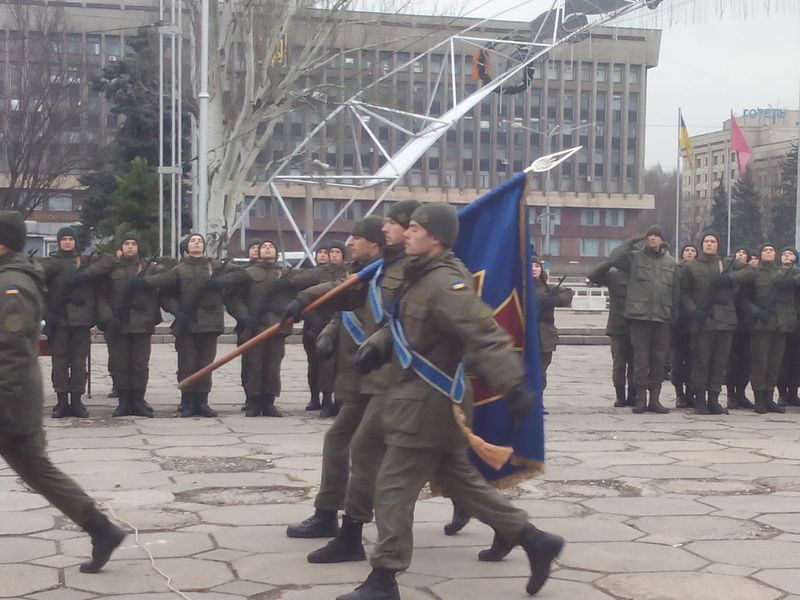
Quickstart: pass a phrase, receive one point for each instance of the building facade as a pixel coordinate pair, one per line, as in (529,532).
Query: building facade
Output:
(769,133)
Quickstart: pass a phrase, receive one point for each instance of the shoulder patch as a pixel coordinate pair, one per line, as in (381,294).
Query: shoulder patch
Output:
(459,285)
(11,291)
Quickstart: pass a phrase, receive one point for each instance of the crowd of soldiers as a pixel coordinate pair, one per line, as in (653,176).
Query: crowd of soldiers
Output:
(399,342)
(707,320)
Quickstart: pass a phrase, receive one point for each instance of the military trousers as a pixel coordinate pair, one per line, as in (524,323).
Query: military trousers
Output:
(131,361)
(789,375)
(680,357)
(69,347)
(336,453)
(321,373)
(738,370)
(650,341)
(709,352)
(545,358)
(403,473)
(195,351)
(27,456)
(766,354)
(621,360)
(366,455)
(261,366)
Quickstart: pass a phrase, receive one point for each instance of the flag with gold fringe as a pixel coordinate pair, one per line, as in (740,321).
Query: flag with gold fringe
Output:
(494,244)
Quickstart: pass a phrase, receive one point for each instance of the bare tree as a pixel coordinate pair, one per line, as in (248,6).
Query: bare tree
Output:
(43,89)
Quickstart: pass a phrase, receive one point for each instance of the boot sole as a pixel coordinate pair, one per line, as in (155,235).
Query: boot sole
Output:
(329,560)
(551,552)
(311,535)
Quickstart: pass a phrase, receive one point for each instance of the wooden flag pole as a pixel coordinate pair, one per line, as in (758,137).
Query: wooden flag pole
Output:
(271,331)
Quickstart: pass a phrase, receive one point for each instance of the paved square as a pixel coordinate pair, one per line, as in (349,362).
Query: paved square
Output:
(653,507)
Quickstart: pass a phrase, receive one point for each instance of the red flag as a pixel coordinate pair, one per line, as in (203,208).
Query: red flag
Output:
(740,146)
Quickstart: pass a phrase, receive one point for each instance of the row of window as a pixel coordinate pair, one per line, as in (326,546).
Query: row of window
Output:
(589,247)
(71,43)
(590,217)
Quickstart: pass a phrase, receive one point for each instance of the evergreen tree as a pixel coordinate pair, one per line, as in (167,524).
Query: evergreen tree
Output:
(719,214)
(746,229)
(784,203)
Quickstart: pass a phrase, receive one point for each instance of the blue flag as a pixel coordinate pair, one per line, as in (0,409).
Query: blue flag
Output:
(494,244)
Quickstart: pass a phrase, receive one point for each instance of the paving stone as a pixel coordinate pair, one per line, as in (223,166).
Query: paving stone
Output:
(161,544)
(720,457)
(701,487)
(244,588)
(16,523)
(589,529)
(682,585)
(23,549)
(61,594)
(19,579)
(539,509)
(671,471)
(203,451)
(787,580)
(788,522)
(514,587)
(772,503)
(699,528)
(662,505)
(264,540)
(622,557)
(762,554)
(291,568)
(16,501)
(98,455)
(156,519)
(58,561)
(327,592)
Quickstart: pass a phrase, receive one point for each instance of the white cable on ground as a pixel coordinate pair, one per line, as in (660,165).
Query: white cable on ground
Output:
(166,577)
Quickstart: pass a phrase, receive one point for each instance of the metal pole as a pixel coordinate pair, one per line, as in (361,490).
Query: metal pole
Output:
(202,125)
(729,179)
(678,178)
(173,179)
(194,173)
(797,196)
(308,221)
(179,151)
(161,130)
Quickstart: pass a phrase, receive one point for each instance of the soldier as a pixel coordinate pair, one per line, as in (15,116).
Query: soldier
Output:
(788,379)
(257,304)
(680,354)
(342,336)
(197,282)
(129,320)
(651,306)
(617,329)
(254,251)
(310,341)
(440,313)
(22,437)
(547,300)
(707,297)
(773,311)
(70,316)
(738,369)
(321,373)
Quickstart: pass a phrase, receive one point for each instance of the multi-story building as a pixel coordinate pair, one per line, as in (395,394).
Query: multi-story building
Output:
(591,94)
(769,133)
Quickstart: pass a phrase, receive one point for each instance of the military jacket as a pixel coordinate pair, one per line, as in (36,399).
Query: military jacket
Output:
(777,305)
(21,303)
(138,311)
(715,304)
(306,278)
(548,332)
(256,296)
(617,283)
(204,306)
(72,303)
(653,283)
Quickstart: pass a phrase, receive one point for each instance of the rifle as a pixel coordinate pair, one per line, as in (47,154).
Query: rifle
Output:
(67,289)
(194,303)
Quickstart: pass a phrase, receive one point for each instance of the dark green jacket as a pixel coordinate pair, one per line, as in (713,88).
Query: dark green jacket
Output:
(204,306)
(137,311)
(653,283)
(545,311)
(773,310)
(21,306)
(71,301)
(617,283)
(305,278)
(256,296)
(710,307)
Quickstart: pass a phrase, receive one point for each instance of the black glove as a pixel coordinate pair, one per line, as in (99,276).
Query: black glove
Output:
(294,311)
(521,401)
(181,322)
(78,278)
(212,283)
(636,239)
(368,358)
(784,284)
(324,347)
(110,326)
(137,283)
(722,280)
(246,324)
(548,301)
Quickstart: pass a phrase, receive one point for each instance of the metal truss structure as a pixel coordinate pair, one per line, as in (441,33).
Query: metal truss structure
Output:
(511,58)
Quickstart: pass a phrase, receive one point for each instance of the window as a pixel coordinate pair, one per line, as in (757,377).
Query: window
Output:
(586,71)
(602,71)
(590,247)
(552,69)
(324,209)
(93,44)
(60,203)
(590,217)
(618,73)
(569,71)
(355,211)
(610,245)
(635,73)
(113,47)
(615,217)
(555,247)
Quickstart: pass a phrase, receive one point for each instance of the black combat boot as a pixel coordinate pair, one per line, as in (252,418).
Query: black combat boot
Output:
(380,584)
(326,411)
(252,406)
(322,524)
(700,405)
(139,406)
(743,401)
(345,547)
(201,407)
(268,406)
(314,404)
(105,538)
(732,403)
(621,401)
(76,407)
(61,409)
(113,393)
(458,522)
(680,396)
(791,396)
(782,391)
(123,405)
(714,407)
(770,404)
(542,549)
(337,406)
(631,399)
(654,405)
(186,409)
(641,400)
(498,551)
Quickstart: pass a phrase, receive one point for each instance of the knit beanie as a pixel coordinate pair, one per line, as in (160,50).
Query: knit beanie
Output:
(337,245)
(401,211)
(440,220)
(370,228)
(67,231)
(12,230)
(655,230)
(130,235)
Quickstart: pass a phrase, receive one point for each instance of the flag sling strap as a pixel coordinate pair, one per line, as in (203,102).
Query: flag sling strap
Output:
(354,327)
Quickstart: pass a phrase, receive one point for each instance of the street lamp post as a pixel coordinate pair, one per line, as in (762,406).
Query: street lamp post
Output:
(550,133)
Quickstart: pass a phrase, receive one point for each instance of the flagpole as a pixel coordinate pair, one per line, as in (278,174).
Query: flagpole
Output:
(678,177)
(730,182)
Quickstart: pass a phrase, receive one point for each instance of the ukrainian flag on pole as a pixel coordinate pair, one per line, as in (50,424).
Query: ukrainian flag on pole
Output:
(685,141)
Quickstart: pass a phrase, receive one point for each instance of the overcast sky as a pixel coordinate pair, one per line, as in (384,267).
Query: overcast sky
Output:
(716,55)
